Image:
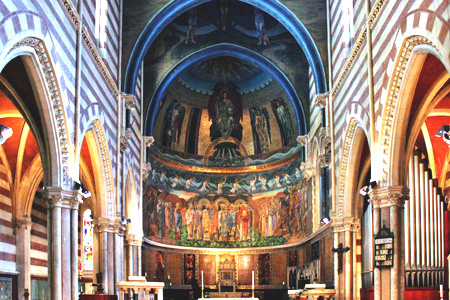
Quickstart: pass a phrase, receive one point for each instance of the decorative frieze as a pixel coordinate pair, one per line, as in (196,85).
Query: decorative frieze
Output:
(99,61)
(346,147)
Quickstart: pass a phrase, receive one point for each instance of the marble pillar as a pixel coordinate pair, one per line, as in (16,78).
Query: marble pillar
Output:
(23,249)
(110,269)
(107,230)
(344,232)
(66,256)
(62,270)
(55,203)
(388,207)
(119,257)
(75,203)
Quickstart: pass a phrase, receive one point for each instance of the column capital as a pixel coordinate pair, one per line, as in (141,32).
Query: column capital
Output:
(345,224)
(308,173)
(24,223)
(58,197)
(107,225)
(302,140)
(130,100)
(320,100)
(133,239)
(149,140)
(394,195)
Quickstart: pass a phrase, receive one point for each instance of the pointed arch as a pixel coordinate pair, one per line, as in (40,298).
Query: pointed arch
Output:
(54,146)
(393,167)
(102,170)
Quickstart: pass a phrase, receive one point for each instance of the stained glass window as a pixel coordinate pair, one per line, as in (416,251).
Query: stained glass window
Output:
(88,241)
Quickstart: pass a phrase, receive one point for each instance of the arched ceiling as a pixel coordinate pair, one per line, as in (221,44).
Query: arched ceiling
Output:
(145,20)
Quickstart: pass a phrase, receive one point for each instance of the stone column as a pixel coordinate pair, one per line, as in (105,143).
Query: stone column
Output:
(66,249)
(74,243)
(110,270)
(389,207)
(134,243)
(106,230)
(63,270)
(54,196)
(23,249)
(118,249)
(344,232)
(376,228)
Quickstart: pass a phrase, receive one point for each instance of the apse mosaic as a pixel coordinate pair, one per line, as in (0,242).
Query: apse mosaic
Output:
(217,211)
(226,130)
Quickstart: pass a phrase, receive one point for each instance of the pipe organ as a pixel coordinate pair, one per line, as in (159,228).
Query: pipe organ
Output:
(424,224)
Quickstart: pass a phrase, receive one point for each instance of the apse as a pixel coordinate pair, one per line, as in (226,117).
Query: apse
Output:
(225,169)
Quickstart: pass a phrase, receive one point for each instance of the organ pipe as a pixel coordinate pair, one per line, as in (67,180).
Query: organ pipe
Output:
(417,209)
(424,239)
(427,218)
(411,229)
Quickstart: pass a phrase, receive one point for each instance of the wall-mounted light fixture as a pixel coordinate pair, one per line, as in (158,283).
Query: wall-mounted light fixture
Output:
(125,221)
(5,133)
(325,221)
(443,132)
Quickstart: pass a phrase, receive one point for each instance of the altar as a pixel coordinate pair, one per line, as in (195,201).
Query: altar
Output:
(228,299)
(228,296)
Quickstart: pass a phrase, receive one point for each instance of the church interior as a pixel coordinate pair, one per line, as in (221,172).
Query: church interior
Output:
(259,149)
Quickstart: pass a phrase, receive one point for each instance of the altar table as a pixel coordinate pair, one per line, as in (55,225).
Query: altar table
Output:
(228,299)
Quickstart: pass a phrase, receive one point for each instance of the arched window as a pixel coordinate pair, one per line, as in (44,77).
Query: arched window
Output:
(347,20)
(101,7)
(88,241)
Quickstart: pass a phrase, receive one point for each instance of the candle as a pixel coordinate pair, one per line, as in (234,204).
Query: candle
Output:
(253,280)
(202,279)
(441,288)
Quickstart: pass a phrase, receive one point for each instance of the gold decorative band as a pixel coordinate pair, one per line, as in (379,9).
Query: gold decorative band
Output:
(225,170)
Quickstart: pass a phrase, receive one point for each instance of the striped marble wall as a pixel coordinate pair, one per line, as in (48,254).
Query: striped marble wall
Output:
(7,238)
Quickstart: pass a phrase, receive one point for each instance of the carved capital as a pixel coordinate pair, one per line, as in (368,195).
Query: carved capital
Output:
(351,224)
(123,144)
(54,196)
(23,223)
(107,225)
(323,160)
(320,100)
(389,196)
(302,140)
(309,173)
(133,239)
(130,100)
(149,140)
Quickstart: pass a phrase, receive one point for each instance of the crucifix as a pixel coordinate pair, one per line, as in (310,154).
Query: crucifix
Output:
(340,251)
